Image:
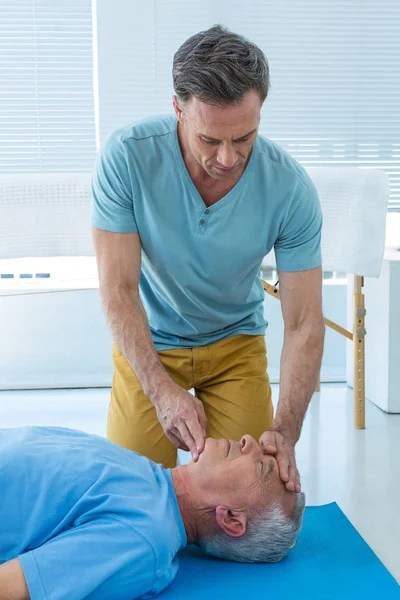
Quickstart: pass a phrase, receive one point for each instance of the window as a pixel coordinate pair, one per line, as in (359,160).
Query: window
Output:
(47,115)
(46,70)
(271,275)
(334,68)
(35,274)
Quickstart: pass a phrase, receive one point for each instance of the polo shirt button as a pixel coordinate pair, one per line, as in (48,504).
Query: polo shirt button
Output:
(202,221)
(207,211)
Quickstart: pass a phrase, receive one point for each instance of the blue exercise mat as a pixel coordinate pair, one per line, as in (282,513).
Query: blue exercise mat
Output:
(330,561)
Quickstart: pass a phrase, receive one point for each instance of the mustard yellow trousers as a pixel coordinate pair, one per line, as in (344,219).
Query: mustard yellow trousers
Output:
(229,377)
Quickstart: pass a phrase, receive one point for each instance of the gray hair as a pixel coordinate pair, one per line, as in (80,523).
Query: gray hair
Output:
(269,536)
(218,67)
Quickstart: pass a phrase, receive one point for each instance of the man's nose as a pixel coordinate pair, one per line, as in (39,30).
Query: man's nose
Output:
(227,156)
(248,444)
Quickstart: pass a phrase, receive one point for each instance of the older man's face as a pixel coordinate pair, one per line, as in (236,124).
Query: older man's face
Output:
(238,474)
(220,138)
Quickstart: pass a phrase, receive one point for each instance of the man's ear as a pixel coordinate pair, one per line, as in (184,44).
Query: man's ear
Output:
(177,108)
(232,523)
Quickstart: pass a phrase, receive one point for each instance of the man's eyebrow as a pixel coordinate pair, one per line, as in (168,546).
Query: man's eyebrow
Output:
(236,140)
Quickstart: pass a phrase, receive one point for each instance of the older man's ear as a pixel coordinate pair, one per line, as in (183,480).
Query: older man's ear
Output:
(232,522)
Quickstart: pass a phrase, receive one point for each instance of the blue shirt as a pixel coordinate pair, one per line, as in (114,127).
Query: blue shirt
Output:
(199,280)
(86,518)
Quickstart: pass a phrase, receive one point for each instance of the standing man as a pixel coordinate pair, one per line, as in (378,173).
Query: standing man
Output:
(185,208)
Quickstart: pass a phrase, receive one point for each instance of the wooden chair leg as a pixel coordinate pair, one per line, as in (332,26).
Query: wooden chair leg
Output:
(359,353)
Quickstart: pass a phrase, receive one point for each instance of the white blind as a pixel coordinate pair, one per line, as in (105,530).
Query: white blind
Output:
(334,70)
(46,79)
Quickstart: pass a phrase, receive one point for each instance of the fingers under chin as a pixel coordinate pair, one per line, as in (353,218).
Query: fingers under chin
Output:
(177,442)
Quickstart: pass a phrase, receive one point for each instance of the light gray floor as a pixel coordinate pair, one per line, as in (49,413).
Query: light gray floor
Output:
(360,470)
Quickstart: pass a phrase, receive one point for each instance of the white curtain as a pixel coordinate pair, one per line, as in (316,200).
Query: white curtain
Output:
(334,68)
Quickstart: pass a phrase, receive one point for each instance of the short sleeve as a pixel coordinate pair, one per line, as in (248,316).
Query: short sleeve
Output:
(98,560)
(298,246)
(112,198)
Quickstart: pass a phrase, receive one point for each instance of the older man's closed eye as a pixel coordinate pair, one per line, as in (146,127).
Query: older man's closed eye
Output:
(82,517)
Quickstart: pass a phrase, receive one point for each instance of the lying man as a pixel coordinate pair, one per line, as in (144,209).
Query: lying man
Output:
(81,517)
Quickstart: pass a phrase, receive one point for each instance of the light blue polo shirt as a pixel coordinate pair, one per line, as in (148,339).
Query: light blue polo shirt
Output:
(86,518)
(200,265)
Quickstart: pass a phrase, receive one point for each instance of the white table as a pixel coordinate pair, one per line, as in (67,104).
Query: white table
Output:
(382,342)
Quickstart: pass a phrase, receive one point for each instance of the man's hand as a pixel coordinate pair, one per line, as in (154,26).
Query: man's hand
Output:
(273,442)
(183,419)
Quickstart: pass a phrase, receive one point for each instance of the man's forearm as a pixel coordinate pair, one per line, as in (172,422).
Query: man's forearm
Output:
(130,330)
(300,366)
(12,581)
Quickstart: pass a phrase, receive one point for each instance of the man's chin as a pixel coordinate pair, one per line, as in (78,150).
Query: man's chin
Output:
(208,442)
(220,174)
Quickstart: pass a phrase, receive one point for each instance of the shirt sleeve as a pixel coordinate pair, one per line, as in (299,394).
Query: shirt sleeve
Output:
(98,560)
(112,198)
(298,246)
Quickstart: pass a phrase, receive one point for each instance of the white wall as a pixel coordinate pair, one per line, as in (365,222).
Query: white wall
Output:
(53,339)
(60,339)
(334,359)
